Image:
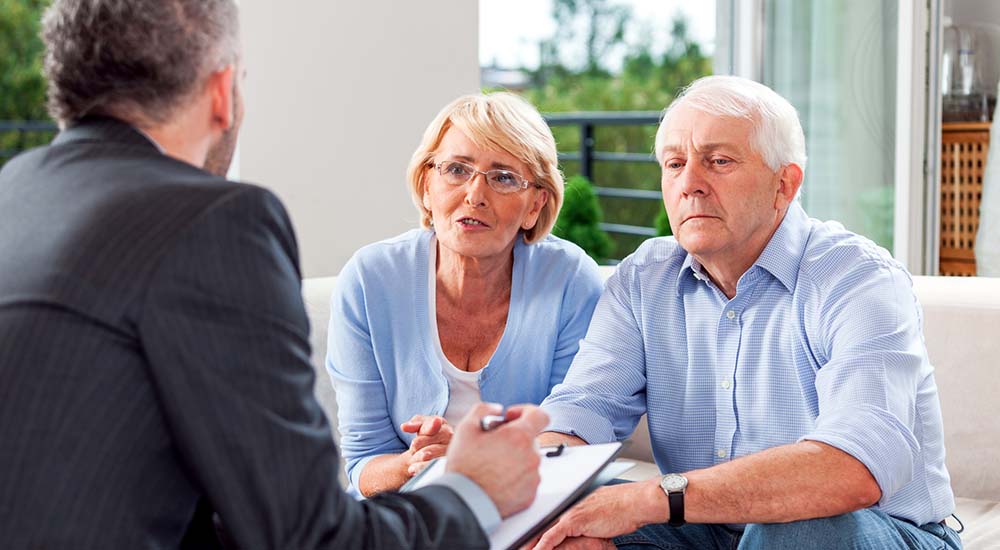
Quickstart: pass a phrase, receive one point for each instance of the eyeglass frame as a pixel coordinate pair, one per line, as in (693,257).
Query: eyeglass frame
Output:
(524,182)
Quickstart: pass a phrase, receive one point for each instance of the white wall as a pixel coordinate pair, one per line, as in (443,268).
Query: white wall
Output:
(973,11)
(338,94)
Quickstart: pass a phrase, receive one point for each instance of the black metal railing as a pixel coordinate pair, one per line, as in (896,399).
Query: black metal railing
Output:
(17,136)
(588,155)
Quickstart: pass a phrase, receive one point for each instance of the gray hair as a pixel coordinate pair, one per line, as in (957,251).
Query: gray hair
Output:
(133,59)
(777,133)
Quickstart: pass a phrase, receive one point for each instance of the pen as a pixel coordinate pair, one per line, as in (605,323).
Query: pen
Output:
(491,421)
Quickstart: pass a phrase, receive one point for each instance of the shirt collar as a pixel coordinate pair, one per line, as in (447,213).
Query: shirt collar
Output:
(781,257)
(690,271)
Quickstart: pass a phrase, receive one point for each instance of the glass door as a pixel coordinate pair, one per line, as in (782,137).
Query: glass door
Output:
(855,71)
(836,62)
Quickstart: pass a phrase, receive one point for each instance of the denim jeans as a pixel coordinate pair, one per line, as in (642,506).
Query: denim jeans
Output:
(864,529)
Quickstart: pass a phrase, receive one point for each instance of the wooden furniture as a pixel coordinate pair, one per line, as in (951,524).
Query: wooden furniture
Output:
(964,146)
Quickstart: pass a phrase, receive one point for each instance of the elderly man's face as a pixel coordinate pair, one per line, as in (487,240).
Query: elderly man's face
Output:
(723,201)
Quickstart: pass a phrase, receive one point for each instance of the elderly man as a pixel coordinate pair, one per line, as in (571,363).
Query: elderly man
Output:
(155,354)
(779,360)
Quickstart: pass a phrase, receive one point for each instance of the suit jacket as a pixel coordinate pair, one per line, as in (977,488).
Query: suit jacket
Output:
(154,363)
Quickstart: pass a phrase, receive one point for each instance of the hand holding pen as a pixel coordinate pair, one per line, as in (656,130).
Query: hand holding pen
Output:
(496,450)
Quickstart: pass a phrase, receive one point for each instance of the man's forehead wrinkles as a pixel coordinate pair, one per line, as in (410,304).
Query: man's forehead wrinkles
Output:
(686,144)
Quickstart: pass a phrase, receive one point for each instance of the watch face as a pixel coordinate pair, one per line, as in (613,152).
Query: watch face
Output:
(673,483)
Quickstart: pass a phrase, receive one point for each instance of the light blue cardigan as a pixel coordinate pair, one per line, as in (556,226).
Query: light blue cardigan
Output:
(382,358)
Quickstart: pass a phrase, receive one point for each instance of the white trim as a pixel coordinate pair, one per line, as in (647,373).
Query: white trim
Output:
(725,25)
(932,131)
(739,38)
(748,40)
(917,136)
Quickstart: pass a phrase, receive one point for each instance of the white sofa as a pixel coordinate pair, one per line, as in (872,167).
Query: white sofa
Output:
(962,331)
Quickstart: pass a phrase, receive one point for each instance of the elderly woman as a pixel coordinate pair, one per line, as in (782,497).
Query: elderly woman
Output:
(482,304)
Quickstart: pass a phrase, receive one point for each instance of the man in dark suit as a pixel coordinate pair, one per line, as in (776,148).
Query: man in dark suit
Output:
(154,355)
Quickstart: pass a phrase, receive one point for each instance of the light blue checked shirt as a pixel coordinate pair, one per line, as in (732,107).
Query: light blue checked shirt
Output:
(822,341)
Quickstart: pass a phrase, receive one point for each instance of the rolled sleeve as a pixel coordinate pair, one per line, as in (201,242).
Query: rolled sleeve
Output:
(876,439)
(579,421)
(867,389)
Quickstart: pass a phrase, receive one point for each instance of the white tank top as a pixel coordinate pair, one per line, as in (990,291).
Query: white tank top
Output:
(463,386)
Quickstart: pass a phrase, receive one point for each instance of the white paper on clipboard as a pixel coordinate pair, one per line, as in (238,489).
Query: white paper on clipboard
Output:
(565,478)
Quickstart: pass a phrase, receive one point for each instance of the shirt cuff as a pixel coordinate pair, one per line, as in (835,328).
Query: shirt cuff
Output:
(876,439)
(474,497)
(580,422)
(354,472)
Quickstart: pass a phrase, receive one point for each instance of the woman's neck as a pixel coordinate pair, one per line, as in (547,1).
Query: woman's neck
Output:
(474,282)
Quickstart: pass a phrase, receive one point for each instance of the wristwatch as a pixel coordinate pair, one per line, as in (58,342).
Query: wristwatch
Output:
(674,486)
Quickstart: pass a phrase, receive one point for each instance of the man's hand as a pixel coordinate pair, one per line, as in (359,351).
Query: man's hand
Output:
(433,436)
(608,512)
(504,461)
(580,543)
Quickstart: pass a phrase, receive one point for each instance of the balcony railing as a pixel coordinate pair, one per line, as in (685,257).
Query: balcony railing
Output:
(588,155)
(17,136)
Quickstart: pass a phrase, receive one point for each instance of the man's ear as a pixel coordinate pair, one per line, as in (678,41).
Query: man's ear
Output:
(221,92)
(788,185)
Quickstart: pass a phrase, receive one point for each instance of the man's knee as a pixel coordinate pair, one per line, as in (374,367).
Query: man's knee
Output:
(861,529)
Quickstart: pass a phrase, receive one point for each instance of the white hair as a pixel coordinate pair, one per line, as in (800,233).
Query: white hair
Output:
(777,133)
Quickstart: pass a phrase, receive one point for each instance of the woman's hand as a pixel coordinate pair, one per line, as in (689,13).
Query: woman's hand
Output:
(433,436)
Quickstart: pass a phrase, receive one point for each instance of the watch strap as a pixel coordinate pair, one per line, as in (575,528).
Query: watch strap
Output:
(676,500)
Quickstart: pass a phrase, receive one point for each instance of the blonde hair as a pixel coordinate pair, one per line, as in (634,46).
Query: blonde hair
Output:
(499,121)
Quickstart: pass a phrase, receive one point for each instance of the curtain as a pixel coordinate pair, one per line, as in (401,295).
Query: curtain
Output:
(835,60)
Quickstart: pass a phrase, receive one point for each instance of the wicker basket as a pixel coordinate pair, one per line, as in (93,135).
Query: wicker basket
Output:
(964,146)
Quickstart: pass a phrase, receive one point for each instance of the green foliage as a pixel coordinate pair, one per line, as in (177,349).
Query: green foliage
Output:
(579,218)
(646,82)
(598,24)
(662,223)
(22,87)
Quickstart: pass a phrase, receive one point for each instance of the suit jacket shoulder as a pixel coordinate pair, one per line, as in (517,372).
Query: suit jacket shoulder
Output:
(156,358)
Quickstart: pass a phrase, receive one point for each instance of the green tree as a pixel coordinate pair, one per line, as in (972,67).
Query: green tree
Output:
(596,25)
(579,220)
(646,82)
(22,86)
(662,223)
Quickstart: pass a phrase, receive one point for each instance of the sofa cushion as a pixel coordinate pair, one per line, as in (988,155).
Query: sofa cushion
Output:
(316,294)
(962,332)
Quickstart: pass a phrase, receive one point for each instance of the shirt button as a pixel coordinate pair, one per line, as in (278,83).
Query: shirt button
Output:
(730,314)
(725,384)
(721,453)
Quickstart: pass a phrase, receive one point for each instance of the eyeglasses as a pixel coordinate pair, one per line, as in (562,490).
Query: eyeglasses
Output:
(502,181)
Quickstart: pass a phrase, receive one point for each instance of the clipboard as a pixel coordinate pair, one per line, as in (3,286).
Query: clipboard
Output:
(567,476)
